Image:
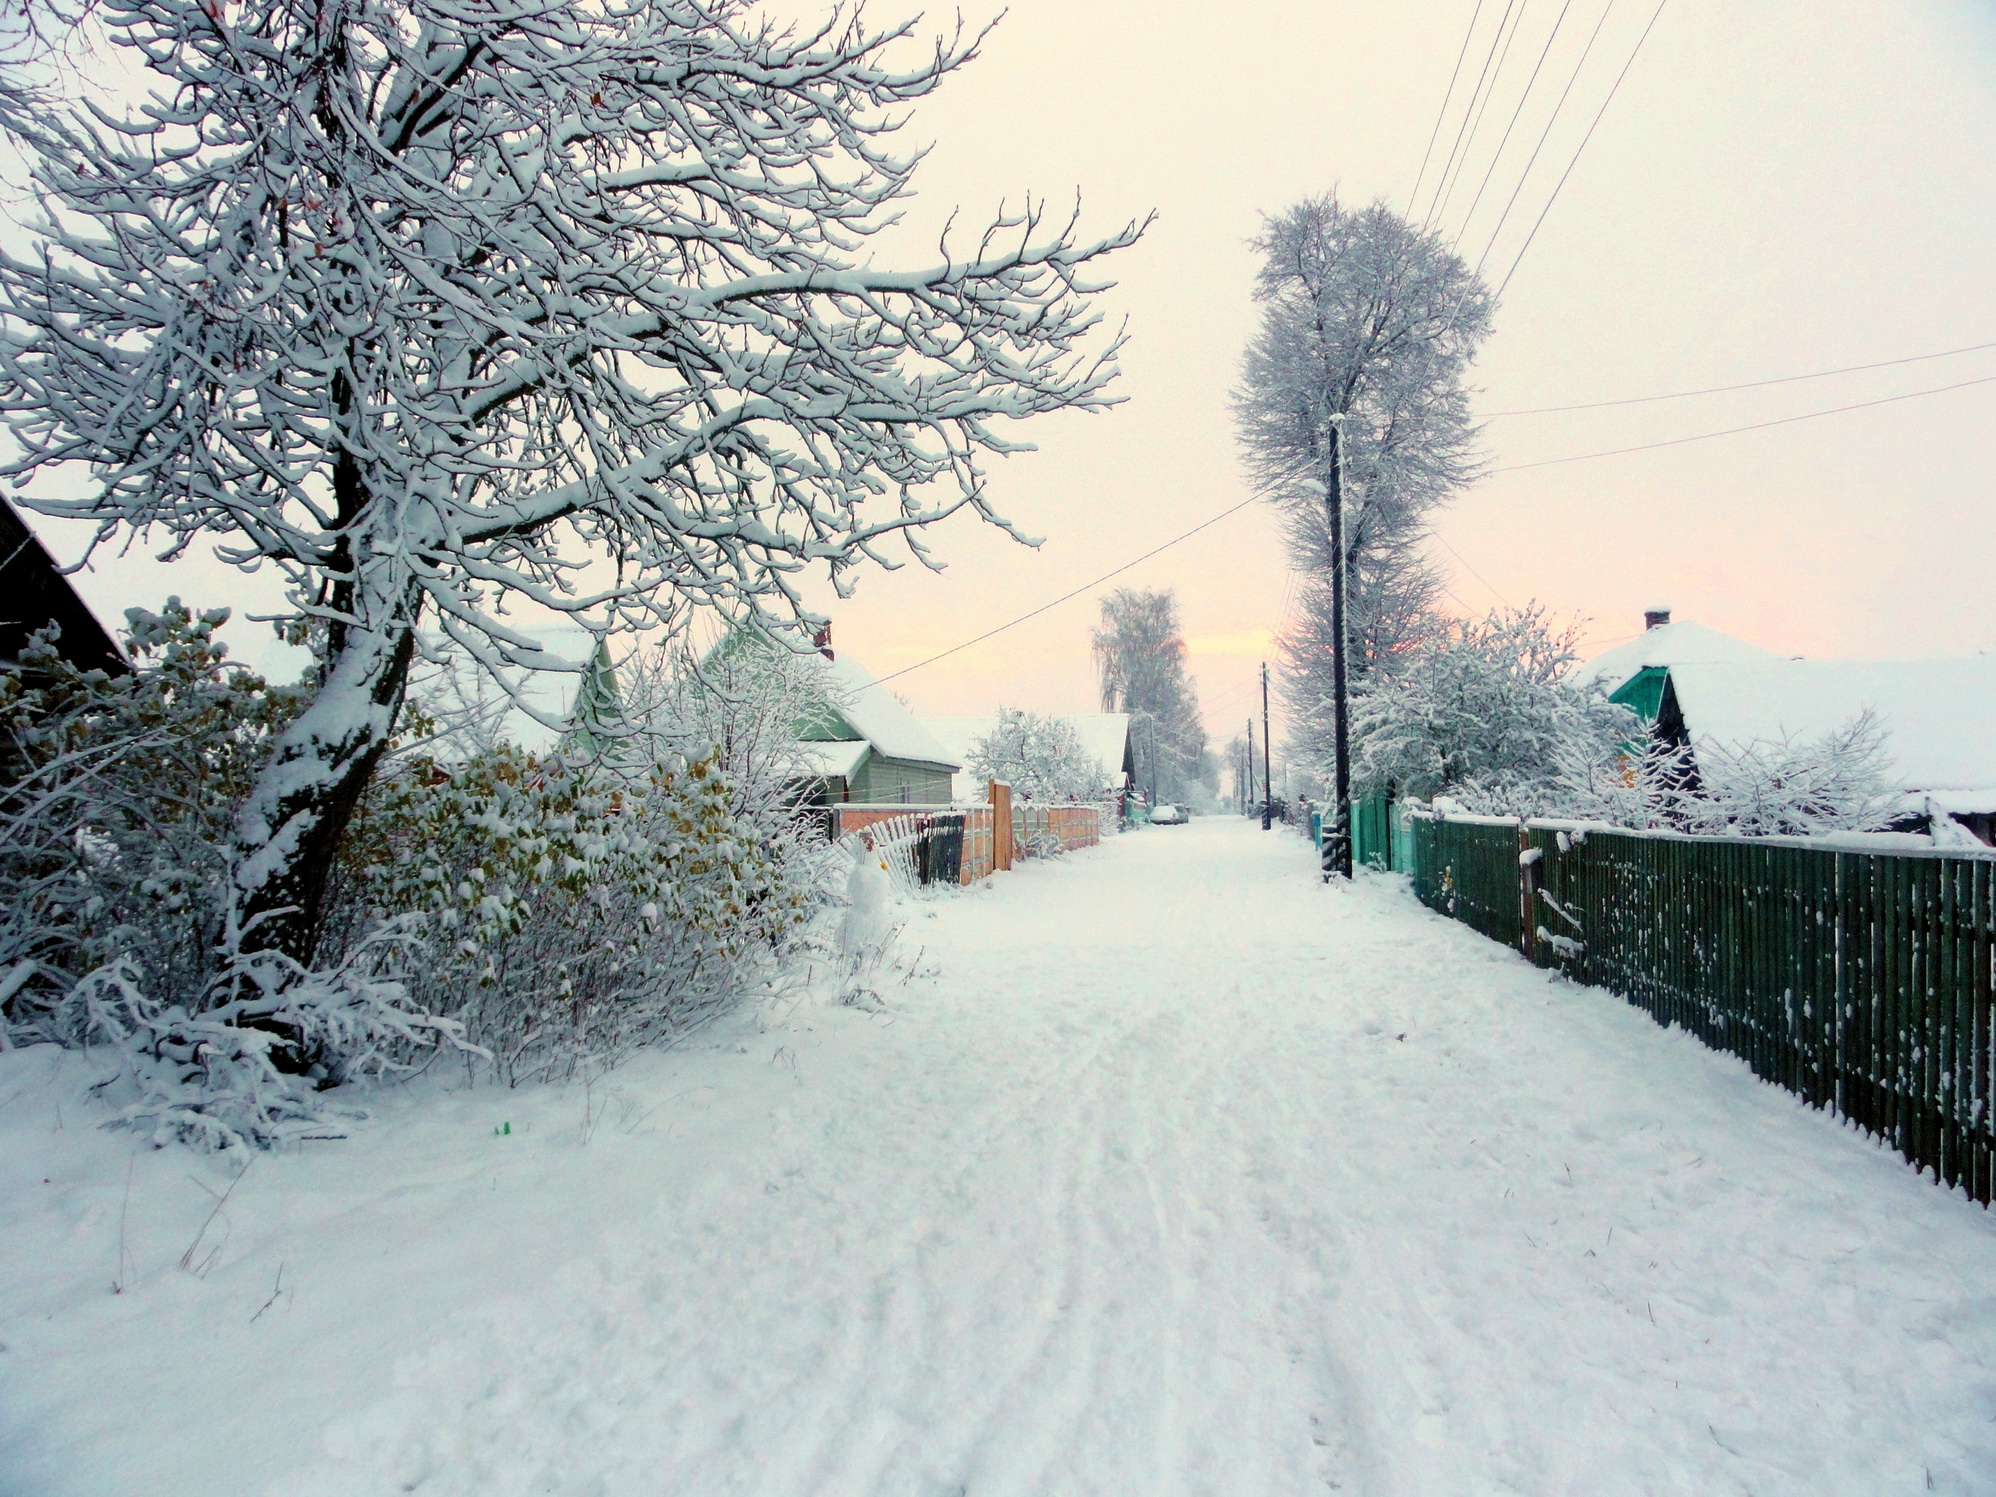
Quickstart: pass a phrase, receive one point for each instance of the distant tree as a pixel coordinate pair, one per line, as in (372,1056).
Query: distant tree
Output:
(1140,655)
(1040,756)
(446,312)
(1369,324)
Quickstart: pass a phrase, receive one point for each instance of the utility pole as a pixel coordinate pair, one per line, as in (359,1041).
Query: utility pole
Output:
(1247,804)
(1267,784)
(1337,828)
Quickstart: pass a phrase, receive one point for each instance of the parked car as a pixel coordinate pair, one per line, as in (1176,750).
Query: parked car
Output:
(1168,815)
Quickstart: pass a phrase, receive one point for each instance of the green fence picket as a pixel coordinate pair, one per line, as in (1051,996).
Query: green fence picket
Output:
(1864,983)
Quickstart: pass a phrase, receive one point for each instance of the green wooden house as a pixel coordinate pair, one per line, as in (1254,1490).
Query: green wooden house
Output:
(867,747)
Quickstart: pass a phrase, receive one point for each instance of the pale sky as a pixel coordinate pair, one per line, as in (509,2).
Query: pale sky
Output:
(1779,187)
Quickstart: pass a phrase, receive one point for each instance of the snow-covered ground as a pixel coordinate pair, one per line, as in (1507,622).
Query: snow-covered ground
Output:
(1177,1173)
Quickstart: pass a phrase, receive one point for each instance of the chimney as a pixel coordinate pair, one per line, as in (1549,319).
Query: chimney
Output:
(823,640)
(1655,618)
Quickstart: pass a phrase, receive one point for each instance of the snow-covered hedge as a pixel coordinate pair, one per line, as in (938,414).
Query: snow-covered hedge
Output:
(572,910)
(115,927)
(528,915)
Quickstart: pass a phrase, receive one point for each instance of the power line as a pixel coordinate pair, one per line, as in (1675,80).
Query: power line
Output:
(1432,535)
(1546,134)
(1064,597)
(1731,431)
(1517,113)
(1753,384)
(1442,114)
(1615,89)
(1434,201)
(1476,126)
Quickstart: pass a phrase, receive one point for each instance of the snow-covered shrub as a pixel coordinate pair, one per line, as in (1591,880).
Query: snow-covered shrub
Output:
(120,790)
(115,928)
(223,1071)
(577,904)
(1479,711)
(1039,756)
(569,911)
(1790,786)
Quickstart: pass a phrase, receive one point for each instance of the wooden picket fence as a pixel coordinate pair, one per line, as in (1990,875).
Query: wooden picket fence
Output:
(933,845)
(921,847)
(1859,981)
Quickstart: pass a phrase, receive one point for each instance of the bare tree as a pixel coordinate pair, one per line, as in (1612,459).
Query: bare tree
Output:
(1140,655)
(1354,414)
(446,307)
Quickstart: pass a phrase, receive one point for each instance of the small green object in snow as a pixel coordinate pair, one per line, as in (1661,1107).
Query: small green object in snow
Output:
(504,1130)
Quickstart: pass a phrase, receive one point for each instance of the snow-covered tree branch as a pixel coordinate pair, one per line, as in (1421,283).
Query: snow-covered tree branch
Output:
(441,306)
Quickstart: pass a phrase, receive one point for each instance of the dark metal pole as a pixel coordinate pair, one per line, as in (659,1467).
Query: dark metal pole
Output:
(1267,784)
(1337,838)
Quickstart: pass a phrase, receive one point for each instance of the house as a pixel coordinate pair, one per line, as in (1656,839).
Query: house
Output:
(1633,674)
(865,746)
(34,594)
(1105,738)
(1695,685)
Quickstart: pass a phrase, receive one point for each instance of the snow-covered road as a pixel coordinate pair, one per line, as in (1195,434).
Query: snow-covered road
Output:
(1178,1173)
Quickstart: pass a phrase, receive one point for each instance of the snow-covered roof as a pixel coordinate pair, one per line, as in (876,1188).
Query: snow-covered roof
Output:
(1667,644)
(1939,715)
(832,759)
(1104,737)
(877,715)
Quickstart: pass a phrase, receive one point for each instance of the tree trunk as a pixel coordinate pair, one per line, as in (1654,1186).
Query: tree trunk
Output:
(290,828)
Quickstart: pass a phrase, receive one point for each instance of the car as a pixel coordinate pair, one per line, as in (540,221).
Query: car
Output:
(1168,815)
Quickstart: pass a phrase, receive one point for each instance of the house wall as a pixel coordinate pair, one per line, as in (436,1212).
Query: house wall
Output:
(900,782)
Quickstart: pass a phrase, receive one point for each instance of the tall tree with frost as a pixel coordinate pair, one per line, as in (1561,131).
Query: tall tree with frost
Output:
(1140,655)
(443,306)
(1354,390)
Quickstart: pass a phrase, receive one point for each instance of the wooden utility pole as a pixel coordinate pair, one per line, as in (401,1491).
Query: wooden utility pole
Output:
(1267,784)
(1247,806)
(1337,833)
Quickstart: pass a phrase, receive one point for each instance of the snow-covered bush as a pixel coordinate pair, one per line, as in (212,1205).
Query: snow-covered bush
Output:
(571,910)
(1481,714)
(529,914)
(1479,711)
(580,903)
(116,933)
(1789,786)
(1039,756)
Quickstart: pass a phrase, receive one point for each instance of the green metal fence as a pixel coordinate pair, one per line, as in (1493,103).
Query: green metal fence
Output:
(1860,981)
